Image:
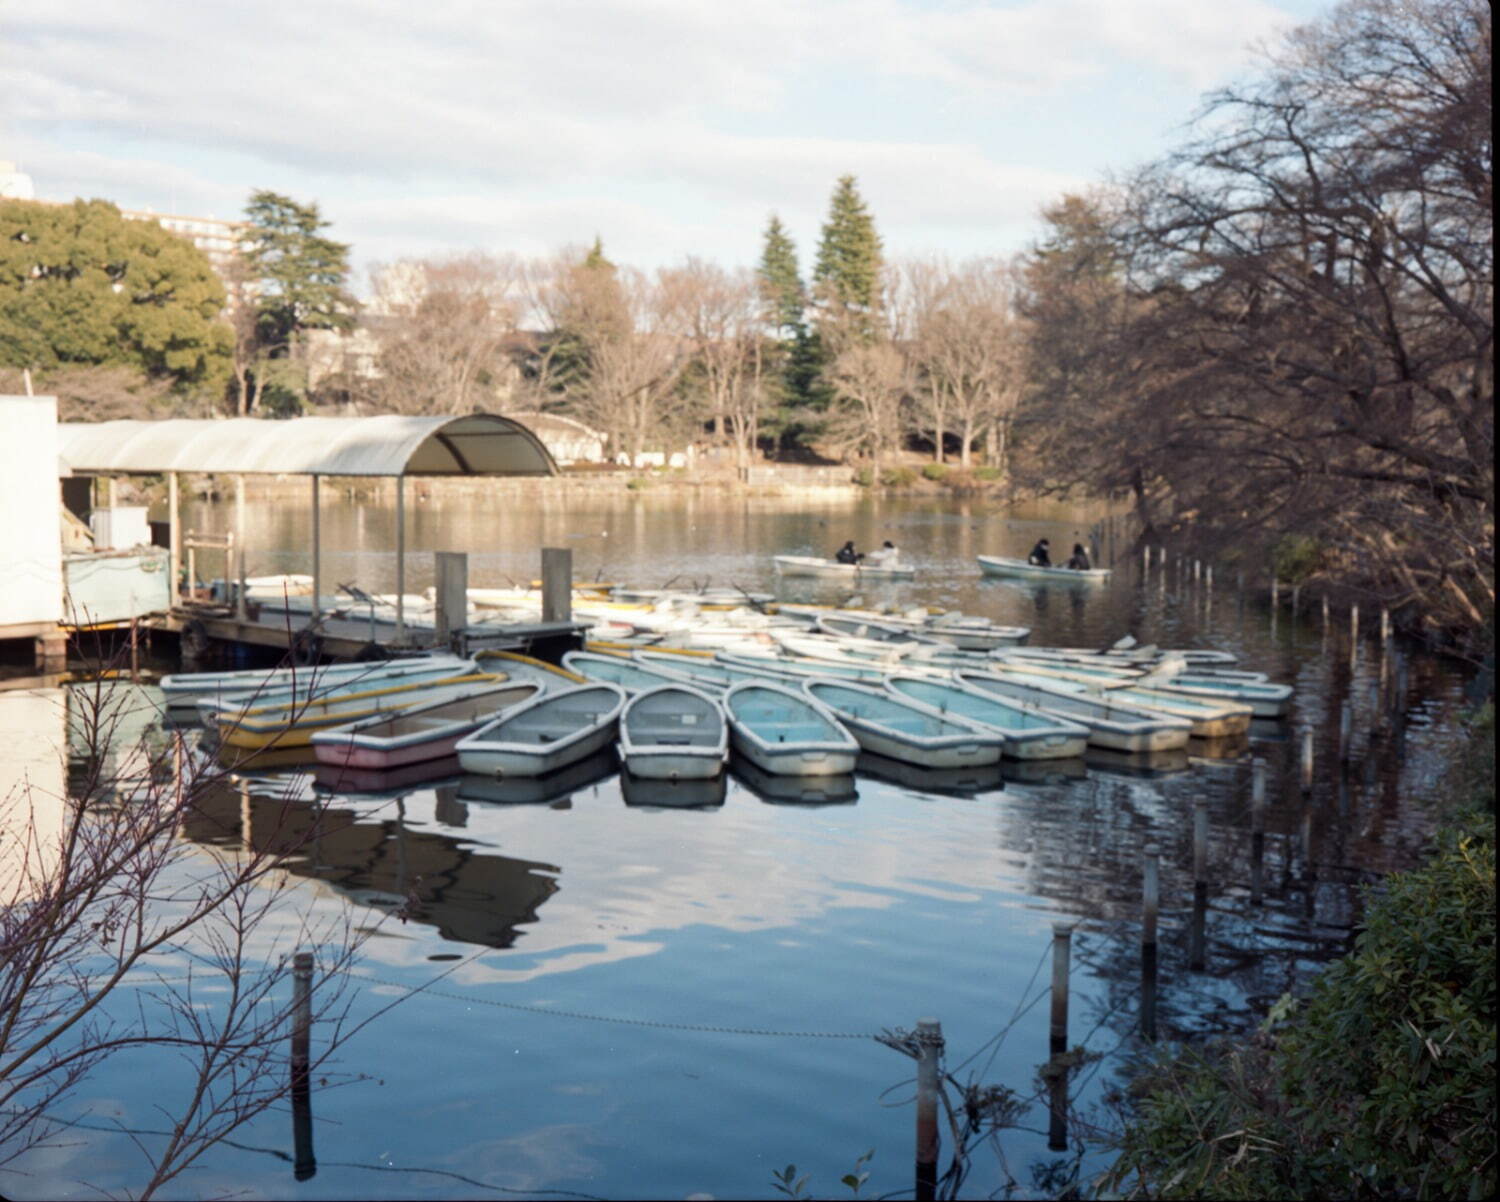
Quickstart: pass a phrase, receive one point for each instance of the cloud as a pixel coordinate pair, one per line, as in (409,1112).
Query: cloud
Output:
(454,122)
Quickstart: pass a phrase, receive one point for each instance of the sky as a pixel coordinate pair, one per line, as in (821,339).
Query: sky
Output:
(665,127)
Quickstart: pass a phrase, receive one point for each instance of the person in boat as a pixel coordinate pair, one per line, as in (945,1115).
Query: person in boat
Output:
(847,553)
(885,557)
(1040,556)
(1079,561)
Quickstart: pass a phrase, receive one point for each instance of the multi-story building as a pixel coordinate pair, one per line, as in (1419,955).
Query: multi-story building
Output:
(220,241)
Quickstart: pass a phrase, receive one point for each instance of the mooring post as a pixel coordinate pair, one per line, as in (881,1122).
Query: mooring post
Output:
(1200,883)
(304,1163)
(174,538)
(1307,761)
(1208,576)
(1385,624)
(1150,902)
(1354,623)
(1296,597)
(557,584)
(1257,829)
(1275,592)
(1197,569)
(241,601)
(450,571)
(1346,730)
(1307,844)
(316,509)
(1062,945)
(929,1048)
(400,562)
(1325,611)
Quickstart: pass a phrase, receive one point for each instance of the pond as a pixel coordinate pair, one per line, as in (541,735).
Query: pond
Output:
(642,995)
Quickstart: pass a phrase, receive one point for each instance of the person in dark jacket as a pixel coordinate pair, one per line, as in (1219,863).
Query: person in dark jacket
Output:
(1080,560)
(847,553)
(1040,554)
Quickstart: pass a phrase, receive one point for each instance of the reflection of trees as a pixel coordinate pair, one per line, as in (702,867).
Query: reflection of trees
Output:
(468,895)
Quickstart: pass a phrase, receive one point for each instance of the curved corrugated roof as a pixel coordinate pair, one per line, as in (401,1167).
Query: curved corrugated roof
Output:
(480,444)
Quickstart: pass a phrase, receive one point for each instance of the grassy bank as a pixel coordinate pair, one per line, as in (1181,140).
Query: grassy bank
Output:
(1381,1081)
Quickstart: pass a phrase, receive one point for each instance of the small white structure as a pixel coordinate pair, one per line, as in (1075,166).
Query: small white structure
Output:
(567,438)
(31,598)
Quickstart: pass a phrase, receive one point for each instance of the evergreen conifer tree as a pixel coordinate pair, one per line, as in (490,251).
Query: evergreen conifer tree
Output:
(780,281)
(846,278)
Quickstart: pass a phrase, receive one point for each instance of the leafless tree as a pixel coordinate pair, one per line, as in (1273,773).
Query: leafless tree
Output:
(444,325)
(95,888)
(873,386)
(718,312)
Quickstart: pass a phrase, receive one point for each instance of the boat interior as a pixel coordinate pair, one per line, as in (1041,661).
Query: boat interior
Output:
(675,718)
(479,708)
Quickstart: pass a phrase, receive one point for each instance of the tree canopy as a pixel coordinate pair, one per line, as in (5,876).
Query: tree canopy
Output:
(846,277)
(80,285)
(782,294)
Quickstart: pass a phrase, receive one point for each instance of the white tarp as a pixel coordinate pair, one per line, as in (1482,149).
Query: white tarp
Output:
(477,445)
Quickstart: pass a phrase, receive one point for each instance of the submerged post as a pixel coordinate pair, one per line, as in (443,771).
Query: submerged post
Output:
(557,584)
(1307,761)
(1296,598)
(400,560)
(929,1047)
(1200,842)
(1354,623)
(1385,624)
(1150,900)
(1346,730)
(304,1163)
(1275,592)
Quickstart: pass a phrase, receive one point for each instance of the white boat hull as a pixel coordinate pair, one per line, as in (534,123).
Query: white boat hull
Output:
(525,761)
(806,565)
(998,565)
(793,762)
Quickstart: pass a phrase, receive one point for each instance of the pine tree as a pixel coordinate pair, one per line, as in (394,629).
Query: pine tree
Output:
(780,281)
(846,279)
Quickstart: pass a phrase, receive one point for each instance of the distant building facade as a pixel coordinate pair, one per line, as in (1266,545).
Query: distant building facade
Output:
(221,241)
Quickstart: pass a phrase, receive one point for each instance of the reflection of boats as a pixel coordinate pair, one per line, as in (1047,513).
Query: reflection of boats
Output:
(809,565)
(1029,733)
(424,732)
(673,794)
(1148,763)
(1219,749)
(905,730)
(956,782)
(674,732)
(1117,727)
(540,790)
(795,790)
(263,759)
(367,782)
(1019,569)
(545,733)
(1044,772)
(784,732)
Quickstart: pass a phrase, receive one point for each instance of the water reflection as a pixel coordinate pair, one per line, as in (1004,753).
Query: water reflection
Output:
(540,790)
(673,794)
(795,790)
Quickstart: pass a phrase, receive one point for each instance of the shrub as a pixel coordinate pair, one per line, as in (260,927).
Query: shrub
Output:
(1295,557)
(1382,1084)
(864,477)
(899,477)
(935,471)
(986,472)
(637,483)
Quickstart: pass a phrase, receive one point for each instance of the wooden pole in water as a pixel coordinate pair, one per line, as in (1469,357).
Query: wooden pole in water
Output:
(1257,828)
(400,560)
(1307,761)
(1145,560)
(1200,842)
(1354,623)
(1296,597)
(557,584)
(1385,624)
(1275,592)
(1346,730)
(241,610)
(1325,611)
(317,551)
(174,536)
(1150,897)
(1062,944)
(304,1162)
(929,1046)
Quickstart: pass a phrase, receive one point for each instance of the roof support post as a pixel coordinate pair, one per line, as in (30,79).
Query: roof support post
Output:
(400,560)
(317,549)
(174,537)
(241,606)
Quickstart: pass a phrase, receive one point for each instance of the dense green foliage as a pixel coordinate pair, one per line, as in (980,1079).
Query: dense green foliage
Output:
(847,275)
(781,288)
(1382,1082)
(301,275)
(80,286)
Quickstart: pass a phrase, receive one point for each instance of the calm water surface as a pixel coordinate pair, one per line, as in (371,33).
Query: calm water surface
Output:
(613,962)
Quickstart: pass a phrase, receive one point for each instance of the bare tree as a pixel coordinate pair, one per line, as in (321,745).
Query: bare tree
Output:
(95,888)
(872,383)
(718,312)
(444,325)
(970,349)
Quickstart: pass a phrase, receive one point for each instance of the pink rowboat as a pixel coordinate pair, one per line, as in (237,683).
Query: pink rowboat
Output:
(429,732)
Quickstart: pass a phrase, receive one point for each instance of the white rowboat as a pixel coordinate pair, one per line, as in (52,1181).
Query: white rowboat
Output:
(786,733)
(808,565)
(999,565)
(546,733)
(673,732)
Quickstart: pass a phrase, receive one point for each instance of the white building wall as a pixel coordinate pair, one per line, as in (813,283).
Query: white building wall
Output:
(30,502)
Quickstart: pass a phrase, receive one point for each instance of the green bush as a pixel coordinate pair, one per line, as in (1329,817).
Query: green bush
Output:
(899,477)
(1295,557)
(864,477)
(1382,1083)
(986,473)
(636,483)
(935,471)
